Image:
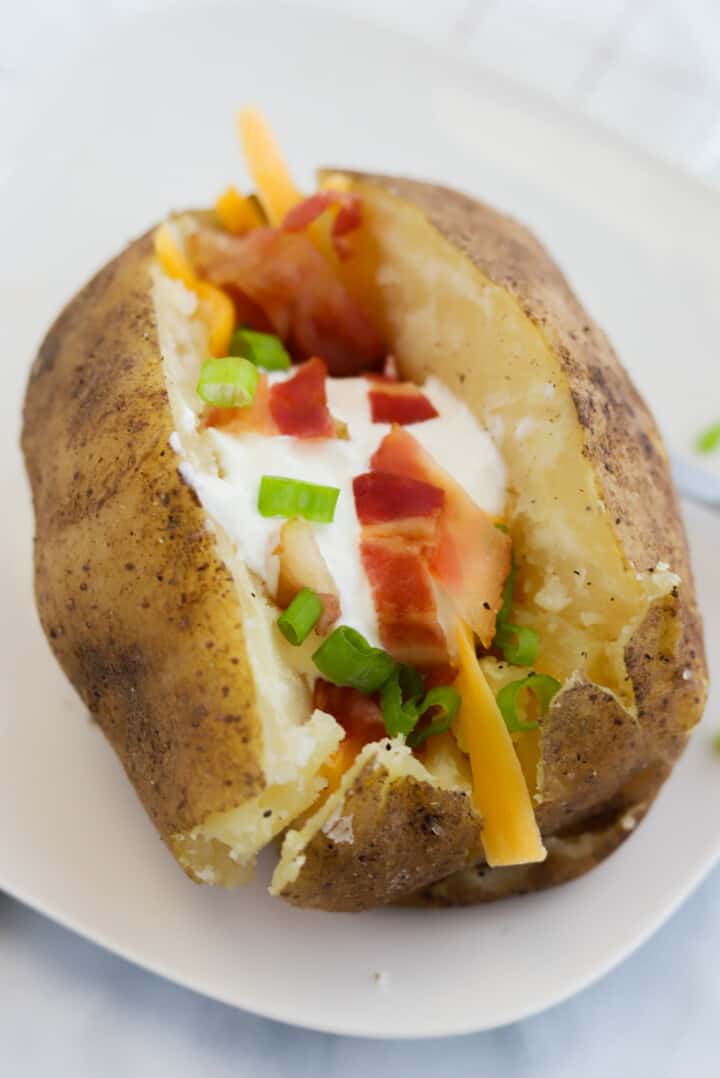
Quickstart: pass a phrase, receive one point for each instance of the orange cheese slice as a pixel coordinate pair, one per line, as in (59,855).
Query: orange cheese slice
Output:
(273,185)
(510,832)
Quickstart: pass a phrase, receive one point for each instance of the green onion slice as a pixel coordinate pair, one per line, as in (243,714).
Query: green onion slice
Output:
(542,685)
(447,699)
(228,383)
(411,684)
(709,439)
(346,658)
(301,616)
(280,497)
(519,644)
(403,706)
(263,349)
(400,717)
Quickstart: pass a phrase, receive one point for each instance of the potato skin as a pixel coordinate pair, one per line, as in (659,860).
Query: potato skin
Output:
(404,834)
(139,610)
(602,768)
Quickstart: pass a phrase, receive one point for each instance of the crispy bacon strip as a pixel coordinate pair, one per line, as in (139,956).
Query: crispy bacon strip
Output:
(299,405)
(347,219)
(472,557)
(297,289)
(399,517)
(360,716)
(381,497)
(404,601)
(400,402)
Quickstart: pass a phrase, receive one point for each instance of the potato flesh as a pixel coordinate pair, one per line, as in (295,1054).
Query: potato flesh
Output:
(444,317)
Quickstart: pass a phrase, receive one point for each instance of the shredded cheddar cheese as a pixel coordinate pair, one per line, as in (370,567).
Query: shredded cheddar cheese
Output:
(237,214)
(510,832)
(215,307)
(275,188)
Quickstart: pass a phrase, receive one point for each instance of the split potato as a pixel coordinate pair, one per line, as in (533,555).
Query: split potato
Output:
(171,641)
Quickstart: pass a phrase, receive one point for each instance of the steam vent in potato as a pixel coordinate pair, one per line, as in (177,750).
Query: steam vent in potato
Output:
(353,534)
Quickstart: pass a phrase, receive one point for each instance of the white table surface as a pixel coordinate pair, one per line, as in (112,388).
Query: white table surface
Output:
(650,70)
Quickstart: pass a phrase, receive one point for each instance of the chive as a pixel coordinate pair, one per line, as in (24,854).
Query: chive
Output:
(519,644)
(447,699)
(399,717)
(709,439)
(544,688)
(263,349)
(346,658)
(281,497)
(411,683)
(301,616)
(228,383)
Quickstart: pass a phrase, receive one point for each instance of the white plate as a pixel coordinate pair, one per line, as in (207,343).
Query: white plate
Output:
(145,122)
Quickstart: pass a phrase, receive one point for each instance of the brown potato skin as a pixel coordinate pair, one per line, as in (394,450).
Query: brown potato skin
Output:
(139,610)
(601,768)
(405,833)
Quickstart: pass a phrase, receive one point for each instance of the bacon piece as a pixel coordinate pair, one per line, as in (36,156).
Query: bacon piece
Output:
(360,716)
(299,217)
(347,219)
(255,419)
(296,287)
(301,565)
(400,402)
(381,497)
(404,601)
(444,674)
(299,405)
(472,557)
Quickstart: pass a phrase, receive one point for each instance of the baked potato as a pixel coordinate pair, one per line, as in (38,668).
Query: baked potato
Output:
(526,715)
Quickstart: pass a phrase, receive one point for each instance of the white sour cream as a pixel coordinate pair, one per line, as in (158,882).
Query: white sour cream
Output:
(454,438)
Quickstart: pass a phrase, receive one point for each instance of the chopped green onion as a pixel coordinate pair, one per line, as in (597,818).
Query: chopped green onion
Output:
(505,610)
(346,658)
(502,527)
(411,684)
(544,688)
(280,497)
(519,644)
(263,349)
(447,699)
(228,383)
(399,717)
(709,439)
(716,742)
(301,616)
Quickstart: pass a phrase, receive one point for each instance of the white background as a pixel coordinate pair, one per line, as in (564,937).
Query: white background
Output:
(650,69)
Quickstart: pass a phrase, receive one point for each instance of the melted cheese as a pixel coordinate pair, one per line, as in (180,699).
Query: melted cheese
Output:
(510,832)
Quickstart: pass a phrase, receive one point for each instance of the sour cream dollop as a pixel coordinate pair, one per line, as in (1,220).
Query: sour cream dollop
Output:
(454,438)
